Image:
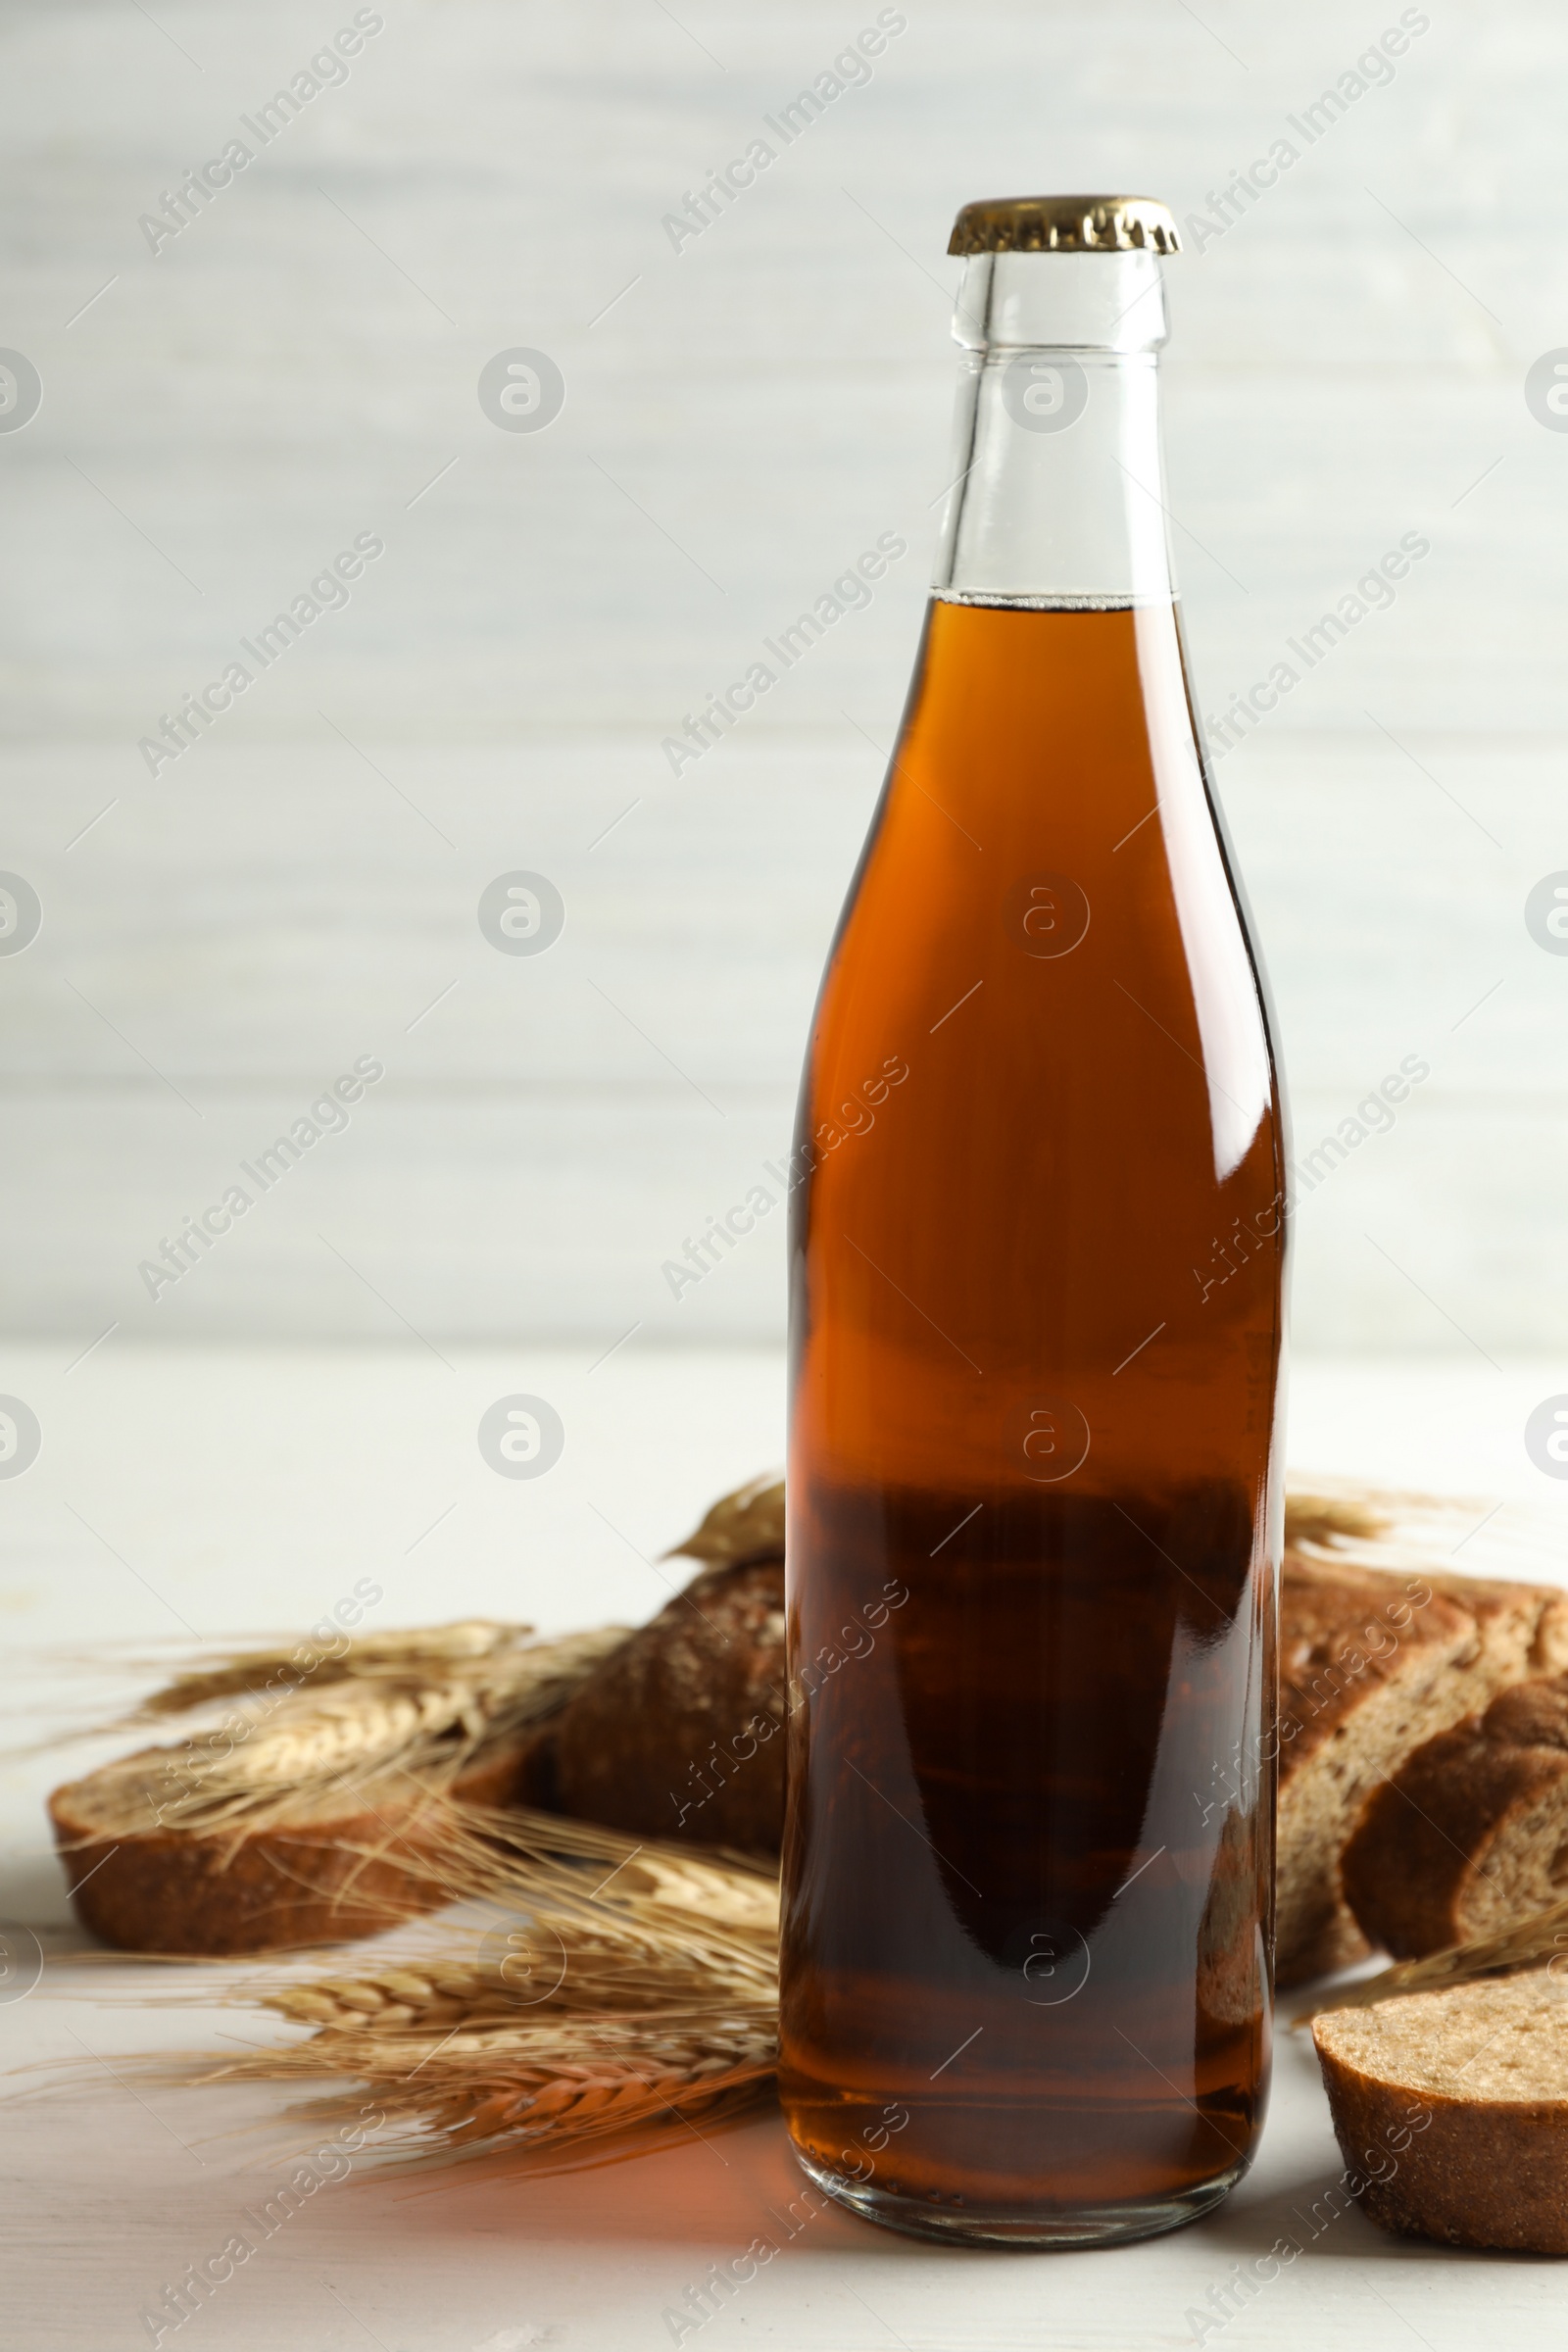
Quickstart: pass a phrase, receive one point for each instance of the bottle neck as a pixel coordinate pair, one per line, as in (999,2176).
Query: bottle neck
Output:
(1058,496)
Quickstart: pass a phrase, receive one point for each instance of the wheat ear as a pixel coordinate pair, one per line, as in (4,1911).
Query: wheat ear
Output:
(607,1986)
(748,1525)
(259,1672)
(423,1713)
(1529,1944)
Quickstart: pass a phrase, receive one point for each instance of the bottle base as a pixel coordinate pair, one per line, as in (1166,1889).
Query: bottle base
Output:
(1039,2229)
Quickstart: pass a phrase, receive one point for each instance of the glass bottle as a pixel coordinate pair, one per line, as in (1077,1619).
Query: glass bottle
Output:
(1036,1302)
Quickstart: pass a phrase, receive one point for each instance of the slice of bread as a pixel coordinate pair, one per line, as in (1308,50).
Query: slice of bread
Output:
(346,1865)
(326,1803)
(1451,2111)
(1471,1834)
(1374,1662)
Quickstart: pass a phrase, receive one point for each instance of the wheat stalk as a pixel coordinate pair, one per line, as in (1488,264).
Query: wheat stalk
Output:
(254,1672)
(1529,1944)
(1402,1531)
(748,1525)
(1328,1519)
(587,2001)
(419,1705)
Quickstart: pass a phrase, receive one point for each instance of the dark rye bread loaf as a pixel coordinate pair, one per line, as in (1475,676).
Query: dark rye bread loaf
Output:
(1373,1663)
(676,1735)
(1451,2111)
(679,1733)
(361,1861)
(1471,1834)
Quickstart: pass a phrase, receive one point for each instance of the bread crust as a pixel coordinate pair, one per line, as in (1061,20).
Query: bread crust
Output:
(361,1865)
(1485,2173)
(1464,1838)
(1371,1661)
(678,1734)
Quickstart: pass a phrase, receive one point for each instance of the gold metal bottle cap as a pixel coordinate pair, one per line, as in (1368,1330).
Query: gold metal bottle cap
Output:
(1065,225)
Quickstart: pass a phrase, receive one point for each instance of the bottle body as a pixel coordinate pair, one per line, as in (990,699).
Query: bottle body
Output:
(1037,1282)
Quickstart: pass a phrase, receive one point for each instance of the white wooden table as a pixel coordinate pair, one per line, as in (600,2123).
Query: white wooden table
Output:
(236,1492)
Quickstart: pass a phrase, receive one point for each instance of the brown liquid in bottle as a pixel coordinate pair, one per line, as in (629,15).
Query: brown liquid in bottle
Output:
(1037,1274)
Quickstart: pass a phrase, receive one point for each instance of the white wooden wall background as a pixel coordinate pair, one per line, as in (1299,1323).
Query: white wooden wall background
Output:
(741,417)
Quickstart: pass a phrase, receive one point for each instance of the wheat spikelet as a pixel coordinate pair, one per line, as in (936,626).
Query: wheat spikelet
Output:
(251,1672)
(352,1729)
(1529,1944)
(657,2001)
(546,2090)
(748,1525)
(421,1706)
(1393,1529)
(1326,1519)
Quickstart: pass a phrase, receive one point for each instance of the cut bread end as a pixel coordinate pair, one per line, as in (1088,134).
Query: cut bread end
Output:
(1451,2111)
